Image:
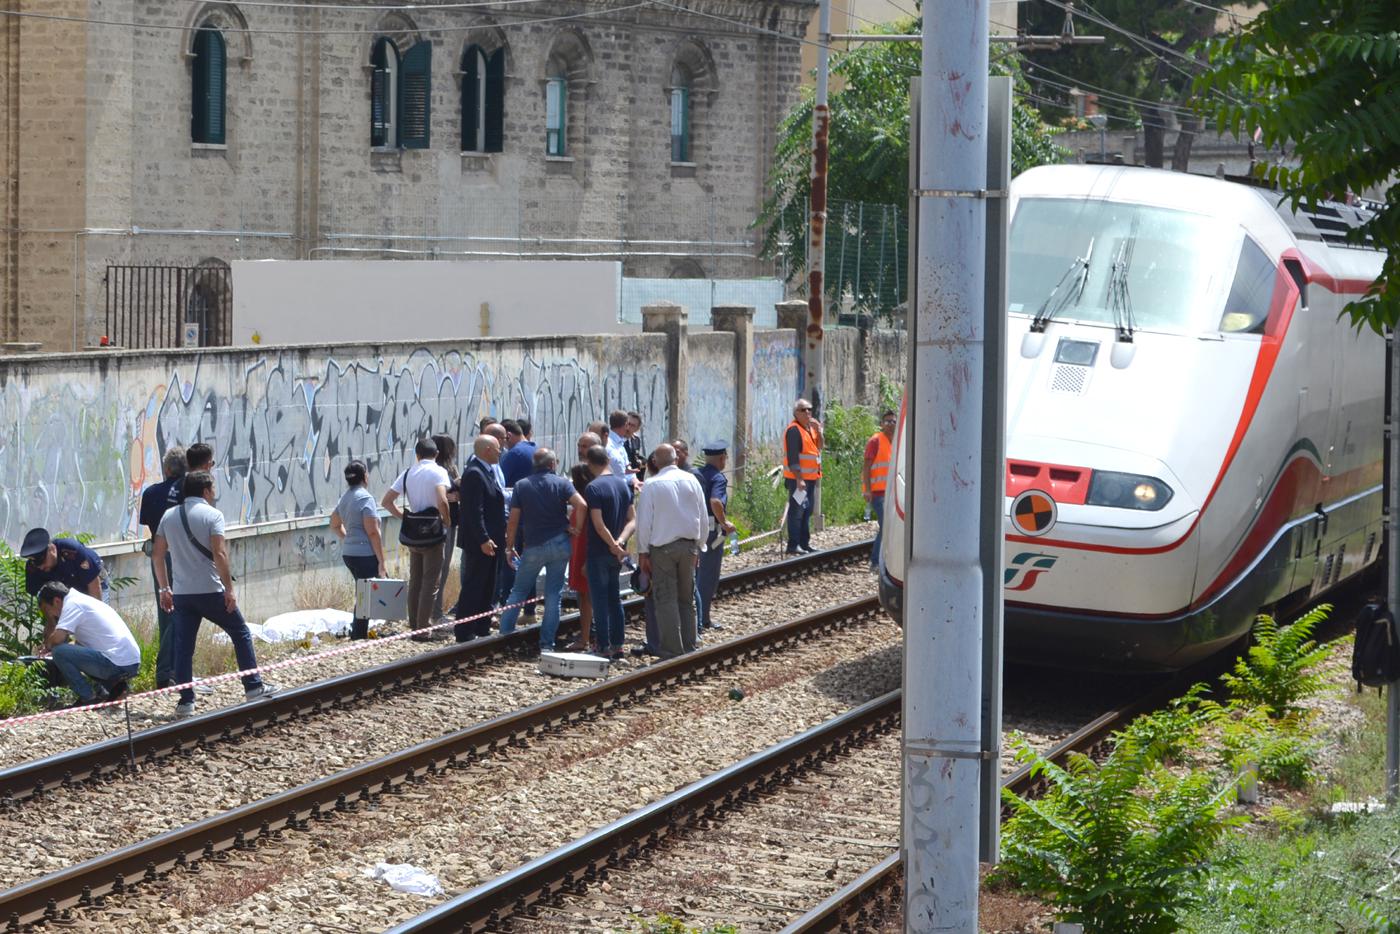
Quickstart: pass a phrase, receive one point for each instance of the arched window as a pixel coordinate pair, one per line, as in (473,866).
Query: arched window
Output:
(209,303)
(400,96)
(690,93)
(209,85)
(567,79)
(483,100)
(556,109)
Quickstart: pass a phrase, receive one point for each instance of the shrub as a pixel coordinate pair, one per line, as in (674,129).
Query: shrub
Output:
(1116,846)
(1168,733)
(1282,749)
(23,689)
(1280,668)
(20,623)
(669,924)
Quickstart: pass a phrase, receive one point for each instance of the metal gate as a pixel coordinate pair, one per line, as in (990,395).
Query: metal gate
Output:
(170,306)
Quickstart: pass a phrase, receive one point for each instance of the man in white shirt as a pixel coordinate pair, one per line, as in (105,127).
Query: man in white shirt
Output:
(103,656)
(424,487)
(672,518)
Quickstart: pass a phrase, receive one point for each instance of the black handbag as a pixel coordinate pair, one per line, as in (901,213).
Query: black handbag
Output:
(421,529)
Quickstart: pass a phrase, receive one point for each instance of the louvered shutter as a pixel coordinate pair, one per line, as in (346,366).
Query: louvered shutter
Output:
(415,97)
(471,98)
(496,100)
(208,91)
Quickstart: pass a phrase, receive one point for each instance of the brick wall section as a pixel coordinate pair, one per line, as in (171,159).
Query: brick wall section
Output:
(105,138)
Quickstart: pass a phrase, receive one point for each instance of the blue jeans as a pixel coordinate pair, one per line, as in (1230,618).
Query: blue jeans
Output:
(165,622)
(877,506)
(78,663)
(553,557)
(605,587)
(707,581)
(799,521)
(191,609)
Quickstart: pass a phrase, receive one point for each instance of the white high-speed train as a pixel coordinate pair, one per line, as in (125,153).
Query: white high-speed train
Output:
(1191,432)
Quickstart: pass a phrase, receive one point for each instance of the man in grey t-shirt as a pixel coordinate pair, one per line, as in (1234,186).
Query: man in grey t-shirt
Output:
(201,587)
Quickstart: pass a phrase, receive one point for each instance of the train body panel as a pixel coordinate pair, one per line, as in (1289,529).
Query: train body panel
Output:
(1181,390)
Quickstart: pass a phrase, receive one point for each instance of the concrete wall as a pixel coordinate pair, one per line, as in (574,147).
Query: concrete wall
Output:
(773,386)
(82,435)
(357,300)
(711,387)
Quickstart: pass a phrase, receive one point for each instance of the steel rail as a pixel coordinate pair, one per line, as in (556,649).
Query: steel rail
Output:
(858,905)
(573,866)
(110,758)
(86,883)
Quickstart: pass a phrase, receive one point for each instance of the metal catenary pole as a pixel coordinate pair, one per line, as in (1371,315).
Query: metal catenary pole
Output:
(813,364)
(1392,551)
(944,587)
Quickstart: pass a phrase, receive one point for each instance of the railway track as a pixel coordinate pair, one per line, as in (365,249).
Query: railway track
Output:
(216,838)
(112,758)
(529,898)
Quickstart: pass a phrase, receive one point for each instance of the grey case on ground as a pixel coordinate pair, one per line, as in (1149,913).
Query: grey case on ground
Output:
(573,665)
(381,598)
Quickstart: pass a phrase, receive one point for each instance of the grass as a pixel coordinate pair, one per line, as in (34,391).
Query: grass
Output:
(1302,868)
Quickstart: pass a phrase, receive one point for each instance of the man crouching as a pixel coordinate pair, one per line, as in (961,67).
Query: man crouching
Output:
(103,655)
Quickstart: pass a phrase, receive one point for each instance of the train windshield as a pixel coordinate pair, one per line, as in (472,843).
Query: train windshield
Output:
(1090,260)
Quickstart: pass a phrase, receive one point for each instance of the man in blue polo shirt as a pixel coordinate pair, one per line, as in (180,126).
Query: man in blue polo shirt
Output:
(65,560)
(155,500)
(517,462)
(539,512)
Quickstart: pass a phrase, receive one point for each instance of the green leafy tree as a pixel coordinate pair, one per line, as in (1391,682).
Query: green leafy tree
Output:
(869,146)
(1147,63)
(1325,76)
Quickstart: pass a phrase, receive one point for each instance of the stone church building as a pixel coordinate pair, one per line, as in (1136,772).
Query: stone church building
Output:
(147,143)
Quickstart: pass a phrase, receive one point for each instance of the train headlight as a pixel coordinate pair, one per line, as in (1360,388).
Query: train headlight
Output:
(1127,491)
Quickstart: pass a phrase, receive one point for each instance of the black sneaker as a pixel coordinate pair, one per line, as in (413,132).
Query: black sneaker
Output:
(116,690)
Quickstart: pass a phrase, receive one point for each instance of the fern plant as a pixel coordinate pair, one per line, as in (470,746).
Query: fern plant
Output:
(1281,749)
(20,623)
(1170,732)
(1280,668)
(1376,921)
(1116,846)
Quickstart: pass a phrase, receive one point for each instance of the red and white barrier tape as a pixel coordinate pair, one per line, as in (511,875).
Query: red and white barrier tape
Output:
(293,662)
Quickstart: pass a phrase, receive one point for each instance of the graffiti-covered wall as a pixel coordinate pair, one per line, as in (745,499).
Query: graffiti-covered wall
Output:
(711,385)
(80,436)
(773,385)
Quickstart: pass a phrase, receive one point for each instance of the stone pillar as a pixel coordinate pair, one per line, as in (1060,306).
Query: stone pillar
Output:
(669,318)
(793,315)
(738,320)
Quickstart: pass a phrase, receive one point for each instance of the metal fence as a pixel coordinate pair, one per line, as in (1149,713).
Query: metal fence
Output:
(867,256)
(169,306)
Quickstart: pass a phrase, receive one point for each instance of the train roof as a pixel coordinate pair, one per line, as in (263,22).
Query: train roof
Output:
(1320,231)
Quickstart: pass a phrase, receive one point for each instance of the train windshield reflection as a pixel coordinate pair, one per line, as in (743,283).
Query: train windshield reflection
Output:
(1177,281)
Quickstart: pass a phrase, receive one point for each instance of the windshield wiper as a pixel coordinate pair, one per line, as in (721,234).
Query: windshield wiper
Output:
(1079,269)
(1119,301)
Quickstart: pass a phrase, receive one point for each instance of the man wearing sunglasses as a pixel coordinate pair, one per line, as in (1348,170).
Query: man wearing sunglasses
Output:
(65,560)
(802,470)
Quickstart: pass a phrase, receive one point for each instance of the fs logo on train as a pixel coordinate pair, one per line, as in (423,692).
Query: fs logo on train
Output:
(1033,513)
(1024,569)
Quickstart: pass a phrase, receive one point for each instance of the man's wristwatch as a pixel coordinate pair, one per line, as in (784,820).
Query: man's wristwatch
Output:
(165,590)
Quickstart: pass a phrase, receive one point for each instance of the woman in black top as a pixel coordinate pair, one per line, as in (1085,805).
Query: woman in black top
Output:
(447,460)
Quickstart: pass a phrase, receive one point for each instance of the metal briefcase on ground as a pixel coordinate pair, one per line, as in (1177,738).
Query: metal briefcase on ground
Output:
(573,665)
(381,598)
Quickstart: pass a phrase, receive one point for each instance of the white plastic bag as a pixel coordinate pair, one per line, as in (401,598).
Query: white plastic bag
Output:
(403,877)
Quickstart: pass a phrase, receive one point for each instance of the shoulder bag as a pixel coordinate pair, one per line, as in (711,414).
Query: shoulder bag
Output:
(421,528)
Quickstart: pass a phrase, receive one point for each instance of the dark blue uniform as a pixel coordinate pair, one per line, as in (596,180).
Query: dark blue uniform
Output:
(77,566)
(157,498)
(716,486)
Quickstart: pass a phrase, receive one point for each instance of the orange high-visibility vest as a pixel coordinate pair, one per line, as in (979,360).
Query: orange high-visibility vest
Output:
(880,467)
(809,460)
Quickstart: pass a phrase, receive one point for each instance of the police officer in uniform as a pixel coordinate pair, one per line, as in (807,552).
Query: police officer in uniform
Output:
(62,559)
(716,487)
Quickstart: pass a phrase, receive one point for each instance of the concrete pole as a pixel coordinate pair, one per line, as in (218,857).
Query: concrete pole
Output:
(815,363)
(1392,551)
(944,587)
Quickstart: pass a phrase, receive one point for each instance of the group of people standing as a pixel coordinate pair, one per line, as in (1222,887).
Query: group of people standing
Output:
(515,518)
(193,580)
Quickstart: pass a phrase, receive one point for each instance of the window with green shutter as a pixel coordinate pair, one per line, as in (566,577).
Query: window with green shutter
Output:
(473,100)
(555,116)
(495,102)
(208,87)
(680,124)
(415,97)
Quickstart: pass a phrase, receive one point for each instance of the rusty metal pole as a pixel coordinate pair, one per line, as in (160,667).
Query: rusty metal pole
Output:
(813,363)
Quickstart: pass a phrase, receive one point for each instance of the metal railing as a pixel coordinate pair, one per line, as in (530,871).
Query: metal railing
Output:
(155,306)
